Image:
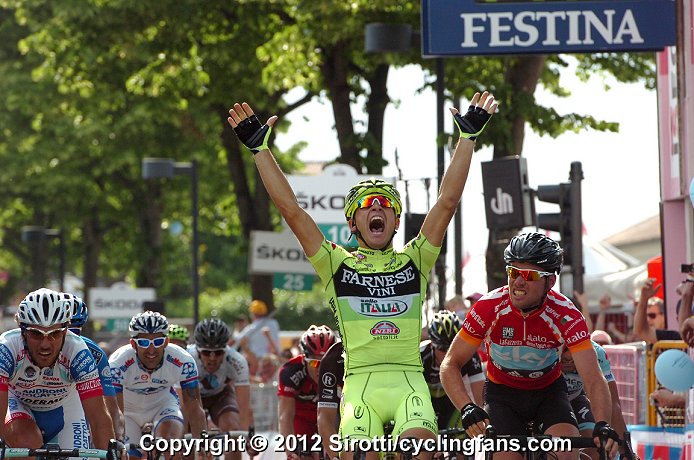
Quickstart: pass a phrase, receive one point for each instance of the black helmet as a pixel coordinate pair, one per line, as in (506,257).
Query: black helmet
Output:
(211,333)
(537,249)
(443,327)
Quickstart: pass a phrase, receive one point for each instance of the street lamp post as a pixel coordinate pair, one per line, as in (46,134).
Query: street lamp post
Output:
(398,38)
(36,234)
(158,168)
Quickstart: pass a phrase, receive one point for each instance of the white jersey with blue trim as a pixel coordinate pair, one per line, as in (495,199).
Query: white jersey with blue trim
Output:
(73,373)
(141,388)
(574,383)
(233,369)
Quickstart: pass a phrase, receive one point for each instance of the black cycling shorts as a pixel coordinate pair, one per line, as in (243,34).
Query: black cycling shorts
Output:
(511,409)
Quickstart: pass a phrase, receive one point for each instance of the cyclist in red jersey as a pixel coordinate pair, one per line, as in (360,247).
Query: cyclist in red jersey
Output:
(298,386)
(525,326)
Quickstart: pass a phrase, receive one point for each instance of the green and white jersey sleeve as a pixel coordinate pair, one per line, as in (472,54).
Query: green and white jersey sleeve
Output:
(376,297)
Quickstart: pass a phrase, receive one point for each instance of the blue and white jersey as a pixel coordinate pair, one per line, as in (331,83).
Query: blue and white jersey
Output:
(144,389)
(102,365)
(41,389)
(233,369)
(573,380)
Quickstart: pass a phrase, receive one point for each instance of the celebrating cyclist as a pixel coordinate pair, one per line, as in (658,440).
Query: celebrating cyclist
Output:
(298,386)
(375,292)
(224,381)
(49,383)
(526,325)
(144,372)
(79,317)
(443,328)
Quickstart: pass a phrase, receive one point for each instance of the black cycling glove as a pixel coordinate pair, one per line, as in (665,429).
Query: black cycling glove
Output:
(254,136)
(471,414)
(472,123)
(603,429)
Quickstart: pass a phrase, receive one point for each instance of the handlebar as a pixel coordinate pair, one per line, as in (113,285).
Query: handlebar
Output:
(54,451)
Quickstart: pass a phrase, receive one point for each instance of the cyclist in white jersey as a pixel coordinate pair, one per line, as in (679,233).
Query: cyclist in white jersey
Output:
(49,384)
(79,317)
(223,374)
(143,374)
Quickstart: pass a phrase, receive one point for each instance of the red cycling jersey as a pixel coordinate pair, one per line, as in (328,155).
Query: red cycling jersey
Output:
(525,353)
(294,382)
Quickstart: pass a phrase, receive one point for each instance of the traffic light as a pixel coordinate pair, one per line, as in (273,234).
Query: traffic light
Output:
(568,221)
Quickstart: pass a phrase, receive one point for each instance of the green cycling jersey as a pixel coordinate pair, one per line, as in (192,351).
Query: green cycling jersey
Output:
(376,297)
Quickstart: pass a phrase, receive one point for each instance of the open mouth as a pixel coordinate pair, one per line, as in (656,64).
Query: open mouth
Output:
(377,224)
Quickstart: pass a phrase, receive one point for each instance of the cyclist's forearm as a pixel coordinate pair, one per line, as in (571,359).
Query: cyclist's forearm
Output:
(276,184)
(101,428)
(327,423)
(600,400)
(116,417)
(453,384)
(243,399)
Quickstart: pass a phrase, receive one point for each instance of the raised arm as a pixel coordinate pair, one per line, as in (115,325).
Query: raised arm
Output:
(470,125)
(582,304)
(605,304)
(642,330)
(685,319)
(255,137)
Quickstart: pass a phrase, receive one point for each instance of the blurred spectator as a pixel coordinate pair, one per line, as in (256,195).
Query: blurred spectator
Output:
(257,341)
(580,300)
(685,315)
(604,304)
(649,318)
(619,336)
(665,397)
(457,305)
(473,298)
(239,325)
(268,369)
(616,336)
(601,337)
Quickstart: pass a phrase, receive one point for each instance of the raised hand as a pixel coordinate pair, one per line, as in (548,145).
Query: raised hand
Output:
(649,288)
(248,128)
(481,109)
(605,302)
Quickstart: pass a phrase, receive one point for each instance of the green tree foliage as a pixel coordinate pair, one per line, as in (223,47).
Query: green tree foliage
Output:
(90,88)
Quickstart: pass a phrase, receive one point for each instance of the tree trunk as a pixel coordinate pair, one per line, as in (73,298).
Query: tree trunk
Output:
(254,209)
(336,73)
(521,77)
(92,238)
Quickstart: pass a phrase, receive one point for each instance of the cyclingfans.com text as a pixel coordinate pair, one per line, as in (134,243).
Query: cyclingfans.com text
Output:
(218,445)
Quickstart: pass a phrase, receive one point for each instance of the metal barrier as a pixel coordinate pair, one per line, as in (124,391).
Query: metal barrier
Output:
(628,363)
(670,416)
(264,404)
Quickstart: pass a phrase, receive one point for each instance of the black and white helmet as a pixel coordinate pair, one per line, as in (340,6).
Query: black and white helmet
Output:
(43,307)
(537,249)
(211,333)
(148,322)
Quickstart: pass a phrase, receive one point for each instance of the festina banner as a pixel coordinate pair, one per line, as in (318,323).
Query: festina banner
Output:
(481,27)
